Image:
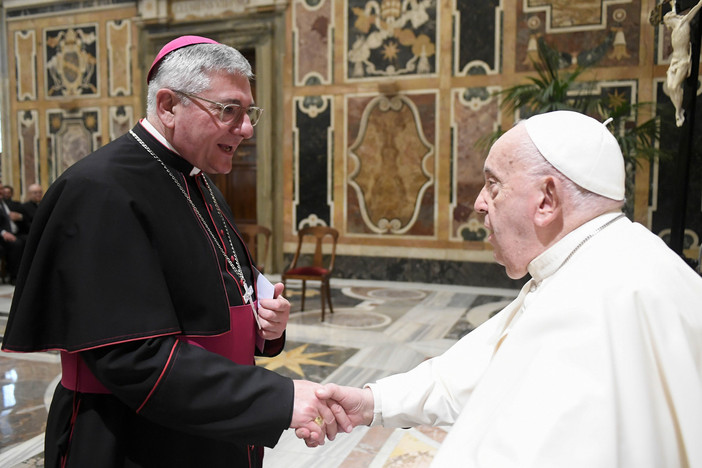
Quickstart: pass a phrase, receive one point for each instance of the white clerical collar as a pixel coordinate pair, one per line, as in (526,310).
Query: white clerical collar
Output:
(549,261)
(156,134)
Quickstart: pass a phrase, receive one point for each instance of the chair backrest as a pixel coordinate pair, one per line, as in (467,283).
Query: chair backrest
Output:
(251,234)
(318,234)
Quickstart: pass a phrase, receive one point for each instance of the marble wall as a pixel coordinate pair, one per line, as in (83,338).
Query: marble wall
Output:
(412,89)
(374,115)
(72,85)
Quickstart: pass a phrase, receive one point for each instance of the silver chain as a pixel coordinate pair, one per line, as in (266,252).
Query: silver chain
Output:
(572,252)
(224,223)
(237,268)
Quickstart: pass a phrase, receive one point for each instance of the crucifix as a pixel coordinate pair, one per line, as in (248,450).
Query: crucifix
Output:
(681,86)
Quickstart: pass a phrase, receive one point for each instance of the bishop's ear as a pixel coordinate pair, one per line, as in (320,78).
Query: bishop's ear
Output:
(549,200)
(165,104)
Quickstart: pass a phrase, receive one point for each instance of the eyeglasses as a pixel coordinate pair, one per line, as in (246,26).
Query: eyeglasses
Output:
(230,114)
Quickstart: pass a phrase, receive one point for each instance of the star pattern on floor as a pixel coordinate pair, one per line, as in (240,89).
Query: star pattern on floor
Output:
(294,359)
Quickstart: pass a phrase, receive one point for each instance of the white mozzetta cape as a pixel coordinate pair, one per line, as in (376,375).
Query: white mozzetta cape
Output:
(600,364)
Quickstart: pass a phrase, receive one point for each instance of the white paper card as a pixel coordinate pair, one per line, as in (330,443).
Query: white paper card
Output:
(264,287)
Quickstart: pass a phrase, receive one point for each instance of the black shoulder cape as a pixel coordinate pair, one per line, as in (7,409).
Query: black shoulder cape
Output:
(116,254)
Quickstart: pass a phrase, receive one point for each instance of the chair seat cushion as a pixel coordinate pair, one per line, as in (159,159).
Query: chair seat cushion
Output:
(308,271)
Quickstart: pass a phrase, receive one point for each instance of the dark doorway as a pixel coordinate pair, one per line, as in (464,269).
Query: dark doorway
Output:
(239,186)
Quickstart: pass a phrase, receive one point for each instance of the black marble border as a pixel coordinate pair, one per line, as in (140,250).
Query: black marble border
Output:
(420,270)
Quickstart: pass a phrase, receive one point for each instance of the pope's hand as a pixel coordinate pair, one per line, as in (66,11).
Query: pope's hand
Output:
(312,418)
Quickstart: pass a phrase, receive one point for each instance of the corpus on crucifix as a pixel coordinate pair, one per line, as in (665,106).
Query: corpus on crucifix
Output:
(679,68)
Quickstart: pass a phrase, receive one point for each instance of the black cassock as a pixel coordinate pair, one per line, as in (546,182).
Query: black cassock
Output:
(117,267)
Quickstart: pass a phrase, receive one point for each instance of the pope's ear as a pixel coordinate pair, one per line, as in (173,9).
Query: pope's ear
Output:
(165,103)
(549,200)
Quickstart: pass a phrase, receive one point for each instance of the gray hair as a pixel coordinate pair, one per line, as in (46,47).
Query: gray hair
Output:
(189,68)
(581,198)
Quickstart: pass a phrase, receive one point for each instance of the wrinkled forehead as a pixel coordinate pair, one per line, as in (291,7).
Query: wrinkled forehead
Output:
(507,154)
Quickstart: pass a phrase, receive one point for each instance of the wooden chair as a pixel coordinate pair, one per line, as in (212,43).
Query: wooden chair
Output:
(317,271)
(251,234)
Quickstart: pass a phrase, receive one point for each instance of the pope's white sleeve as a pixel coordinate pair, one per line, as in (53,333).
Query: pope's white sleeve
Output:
(435,392)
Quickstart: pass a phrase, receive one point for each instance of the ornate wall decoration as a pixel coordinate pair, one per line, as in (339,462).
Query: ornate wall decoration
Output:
(71,61)
(312,32)
(28,129)
(72,136)
(191,10)
(475,113)
(119,66)
(121,120)
(26,65)
(391,38)
(478,37)
(313,168)
(391,165)
(589,32)
(152,9)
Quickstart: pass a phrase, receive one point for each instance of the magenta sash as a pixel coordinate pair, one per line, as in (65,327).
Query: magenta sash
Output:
(237,345)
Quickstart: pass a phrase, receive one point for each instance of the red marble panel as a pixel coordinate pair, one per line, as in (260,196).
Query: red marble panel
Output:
(313,49)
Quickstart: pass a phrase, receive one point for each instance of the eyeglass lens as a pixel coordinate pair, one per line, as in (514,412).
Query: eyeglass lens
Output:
(233,113)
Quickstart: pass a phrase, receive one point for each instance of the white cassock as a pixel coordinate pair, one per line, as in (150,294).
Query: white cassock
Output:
(597,363)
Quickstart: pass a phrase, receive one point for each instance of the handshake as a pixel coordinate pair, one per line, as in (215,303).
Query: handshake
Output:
(324,410)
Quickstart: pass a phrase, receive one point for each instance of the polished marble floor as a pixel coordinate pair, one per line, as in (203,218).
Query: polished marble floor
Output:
(377,329)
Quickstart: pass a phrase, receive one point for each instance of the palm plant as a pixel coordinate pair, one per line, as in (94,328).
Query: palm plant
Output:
(556,88)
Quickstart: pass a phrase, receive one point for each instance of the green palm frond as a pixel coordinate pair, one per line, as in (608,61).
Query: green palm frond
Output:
(557,88)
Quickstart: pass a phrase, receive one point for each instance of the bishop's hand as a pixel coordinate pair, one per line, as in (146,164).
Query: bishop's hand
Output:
(312,418)
(273,315)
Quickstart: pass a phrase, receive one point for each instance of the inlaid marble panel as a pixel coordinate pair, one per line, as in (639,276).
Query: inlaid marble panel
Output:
(28,129)
(312,32)
(193,10)
(391,165)
(602,32)
(119,67)
(475,113)
(313,177)
(390,38)
(26,65)
(121,120)
(72,136)
(71,55)
(477,37)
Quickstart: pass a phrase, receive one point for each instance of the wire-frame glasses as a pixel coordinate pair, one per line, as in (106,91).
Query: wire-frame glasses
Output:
(230,114)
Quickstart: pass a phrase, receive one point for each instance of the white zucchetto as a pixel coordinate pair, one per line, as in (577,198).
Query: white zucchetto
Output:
(582,149)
